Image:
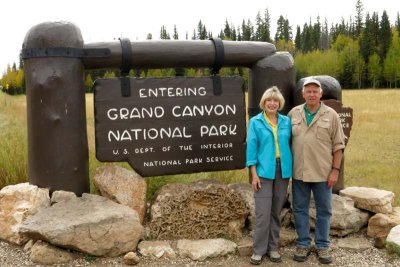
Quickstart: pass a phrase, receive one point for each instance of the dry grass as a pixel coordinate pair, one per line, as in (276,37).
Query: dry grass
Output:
(13,140)
(371,158)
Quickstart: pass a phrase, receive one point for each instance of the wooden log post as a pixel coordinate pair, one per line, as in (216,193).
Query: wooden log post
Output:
(57,141)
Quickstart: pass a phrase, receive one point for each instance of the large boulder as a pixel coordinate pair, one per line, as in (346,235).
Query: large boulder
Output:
(393,240)
(17,203)
(345,218)
(123,186)
(205,209)
(246,191)
(91,224)
(380,224)
(372,199)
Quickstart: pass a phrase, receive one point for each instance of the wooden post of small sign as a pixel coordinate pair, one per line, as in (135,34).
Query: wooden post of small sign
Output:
(274,70)
(57,141)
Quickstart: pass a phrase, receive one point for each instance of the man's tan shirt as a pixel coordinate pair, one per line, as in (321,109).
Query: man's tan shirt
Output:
(313,146)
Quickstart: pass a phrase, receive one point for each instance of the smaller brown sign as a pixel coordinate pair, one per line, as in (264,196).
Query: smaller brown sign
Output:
(345,115)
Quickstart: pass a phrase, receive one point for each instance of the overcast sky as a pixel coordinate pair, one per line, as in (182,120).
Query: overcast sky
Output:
(101,20)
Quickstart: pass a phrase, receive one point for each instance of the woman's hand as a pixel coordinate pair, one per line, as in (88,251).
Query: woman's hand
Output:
(255,183)
(255,180)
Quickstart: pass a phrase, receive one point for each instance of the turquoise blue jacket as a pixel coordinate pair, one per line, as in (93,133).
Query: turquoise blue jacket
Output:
(261,146)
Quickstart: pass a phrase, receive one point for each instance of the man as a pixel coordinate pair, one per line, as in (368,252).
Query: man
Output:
(317,147)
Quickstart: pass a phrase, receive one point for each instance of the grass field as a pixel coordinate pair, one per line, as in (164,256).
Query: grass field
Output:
(371,158)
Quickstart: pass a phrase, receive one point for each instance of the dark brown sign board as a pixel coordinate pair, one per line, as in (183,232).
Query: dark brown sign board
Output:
(171,125)
(345,115)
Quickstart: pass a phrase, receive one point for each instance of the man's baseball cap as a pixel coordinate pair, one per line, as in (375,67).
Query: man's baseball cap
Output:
(311,80)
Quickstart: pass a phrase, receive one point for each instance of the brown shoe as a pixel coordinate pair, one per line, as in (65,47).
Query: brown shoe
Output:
(301,254)
(324,256)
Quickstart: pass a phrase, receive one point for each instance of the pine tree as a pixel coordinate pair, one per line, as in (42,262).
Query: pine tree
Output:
(234,37)
(221,35)
(375,30)
(397,23)
(325,44)
(280,29)
(164,34)
(227,31)
(247,31)
(267,27)
(385,35)
(259,27)
(367,43)
(287,31)
(316,35)
(201,31)
(306,45)
(359,18)
(175,36)
(194,36)
(239,34)
(298,40)
(263,27)
(21,62)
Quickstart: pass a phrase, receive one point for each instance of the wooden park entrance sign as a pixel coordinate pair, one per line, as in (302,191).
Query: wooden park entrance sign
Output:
(171,125)
(160,126)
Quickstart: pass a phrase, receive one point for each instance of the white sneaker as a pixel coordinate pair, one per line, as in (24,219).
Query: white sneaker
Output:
(274,256)
(255,259)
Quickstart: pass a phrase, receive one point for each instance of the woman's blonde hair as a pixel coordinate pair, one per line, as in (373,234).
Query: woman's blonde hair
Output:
(274,93)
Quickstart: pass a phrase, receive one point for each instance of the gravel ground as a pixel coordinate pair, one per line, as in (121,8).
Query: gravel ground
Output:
(14,256)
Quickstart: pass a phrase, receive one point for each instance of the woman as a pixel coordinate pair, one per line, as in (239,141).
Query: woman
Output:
(270,161)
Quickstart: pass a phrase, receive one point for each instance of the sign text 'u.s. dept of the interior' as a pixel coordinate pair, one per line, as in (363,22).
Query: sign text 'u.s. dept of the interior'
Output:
(171,125)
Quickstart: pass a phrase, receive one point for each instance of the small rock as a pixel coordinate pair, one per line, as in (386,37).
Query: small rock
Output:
(131,258)
(245,246)
(379,242)
(60,195)
(28,246)
(286,237)
(199,250)
(156,249)
(352,243)
(44,253)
